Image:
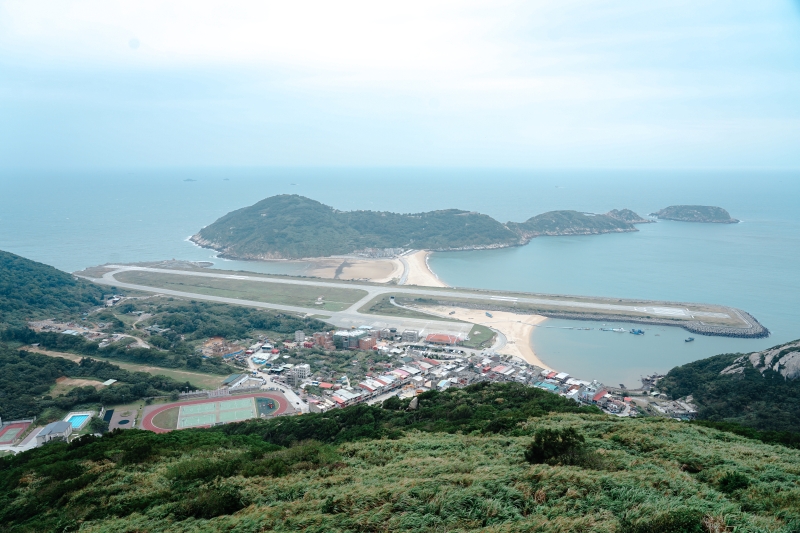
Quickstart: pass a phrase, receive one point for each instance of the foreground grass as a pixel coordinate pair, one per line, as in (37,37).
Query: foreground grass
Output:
(653,475)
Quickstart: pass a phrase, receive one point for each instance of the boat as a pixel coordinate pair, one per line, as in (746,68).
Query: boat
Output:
(489,314)
(690,339)
(615,330)
(637,332)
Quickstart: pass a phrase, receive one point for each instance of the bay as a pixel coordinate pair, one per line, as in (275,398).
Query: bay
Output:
(75,219)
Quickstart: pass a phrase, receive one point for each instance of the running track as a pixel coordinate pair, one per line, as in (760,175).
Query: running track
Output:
(147,421)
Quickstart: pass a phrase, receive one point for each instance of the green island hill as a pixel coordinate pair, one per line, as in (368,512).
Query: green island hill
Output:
(295,227)
(695,213)
(489,457)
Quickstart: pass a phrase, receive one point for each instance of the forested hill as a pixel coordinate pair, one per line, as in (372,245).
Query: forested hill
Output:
(570,223)
(490,457)
(760,390)
(292,226)
(695,213)
(30,290)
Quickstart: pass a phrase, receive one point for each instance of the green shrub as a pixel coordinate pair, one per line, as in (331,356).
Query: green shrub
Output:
(551,446)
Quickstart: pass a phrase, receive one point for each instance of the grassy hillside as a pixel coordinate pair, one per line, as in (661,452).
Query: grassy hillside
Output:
(31,290)
(696,213)
(759,390)
(551,471)
(570,223)
(26,379)
(291,226)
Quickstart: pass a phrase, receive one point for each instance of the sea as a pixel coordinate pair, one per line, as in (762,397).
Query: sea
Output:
(75,219)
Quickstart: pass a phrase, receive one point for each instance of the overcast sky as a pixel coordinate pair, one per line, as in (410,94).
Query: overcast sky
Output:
(548,84)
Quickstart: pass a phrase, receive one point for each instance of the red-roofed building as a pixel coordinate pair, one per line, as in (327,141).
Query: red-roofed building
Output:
(599,396)
(323,385)
(442,338)
(551,375)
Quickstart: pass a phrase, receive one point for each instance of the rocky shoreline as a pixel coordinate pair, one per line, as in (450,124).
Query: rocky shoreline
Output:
(754,331)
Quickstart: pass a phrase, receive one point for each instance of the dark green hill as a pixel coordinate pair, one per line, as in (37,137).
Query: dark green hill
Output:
(695,213)
(497,458)
(31,290)
(292,227)
(760,390)
(570,223)
(626,215)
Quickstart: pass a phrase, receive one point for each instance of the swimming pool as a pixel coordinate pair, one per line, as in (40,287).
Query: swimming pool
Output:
(77,420)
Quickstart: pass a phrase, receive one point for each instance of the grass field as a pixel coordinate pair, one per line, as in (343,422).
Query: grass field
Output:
(334,298)
(167,419)
(381,305)
(479,337)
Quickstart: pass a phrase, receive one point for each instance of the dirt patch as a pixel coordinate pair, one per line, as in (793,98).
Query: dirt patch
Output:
(64,385)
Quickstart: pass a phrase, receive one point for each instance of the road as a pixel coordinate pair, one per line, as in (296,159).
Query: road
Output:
(293,398)
(352,317)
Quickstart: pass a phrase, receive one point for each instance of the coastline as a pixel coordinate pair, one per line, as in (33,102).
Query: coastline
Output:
(419,271)
(516,328)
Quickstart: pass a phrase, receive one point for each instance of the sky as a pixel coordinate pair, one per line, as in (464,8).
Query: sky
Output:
(538,84)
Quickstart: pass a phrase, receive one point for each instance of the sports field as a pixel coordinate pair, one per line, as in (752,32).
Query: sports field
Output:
(208,414)
(204,413)
(10,432)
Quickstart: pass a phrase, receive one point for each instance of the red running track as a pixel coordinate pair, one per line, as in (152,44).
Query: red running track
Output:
(147,421)
(23,425)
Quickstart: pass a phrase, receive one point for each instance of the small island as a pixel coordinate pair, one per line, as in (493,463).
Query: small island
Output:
(695,213)
(290,226)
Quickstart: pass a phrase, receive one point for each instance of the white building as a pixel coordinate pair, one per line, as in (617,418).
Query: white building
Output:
(52,431)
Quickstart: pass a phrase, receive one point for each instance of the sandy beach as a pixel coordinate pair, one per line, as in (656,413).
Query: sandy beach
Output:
(516,327)
(419,273)
(352,269)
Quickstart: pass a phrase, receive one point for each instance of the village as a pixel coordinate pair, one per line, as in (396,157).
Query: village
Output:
(382,363)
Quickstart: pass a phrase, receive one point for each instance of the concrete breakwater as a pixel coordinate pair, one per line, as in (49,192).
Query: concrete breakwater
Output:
(754,330)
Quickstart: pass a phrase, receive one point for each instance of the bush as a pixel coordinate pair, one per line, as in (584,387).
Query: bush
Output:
(733,481)
(551,446)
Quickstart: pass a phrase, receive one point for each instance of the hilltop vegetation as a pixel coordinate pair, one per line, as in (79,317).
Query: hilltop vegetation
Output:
(291,227)
(759,390)
(31,290)
(570,223)
(695,213)
(427,470)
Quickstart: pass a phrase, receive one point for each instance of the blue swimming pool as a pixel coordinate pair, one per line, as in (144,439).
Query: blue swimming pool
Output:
(77,420)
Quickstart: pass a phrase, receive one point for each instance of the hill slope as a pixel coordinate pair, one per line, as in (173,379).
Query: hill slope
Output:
(30,290)
(292,227)
(760,390)
(570,223)
(695,213)
(550,472)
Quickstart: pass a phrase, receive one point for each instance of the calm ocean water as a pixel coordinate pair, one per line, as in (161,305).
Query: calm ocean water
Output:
(73,220)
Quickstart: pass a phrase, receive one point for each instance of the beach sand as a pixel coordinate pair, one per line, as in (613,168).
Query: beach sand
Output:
(374,270)
(418,271)
(516,327)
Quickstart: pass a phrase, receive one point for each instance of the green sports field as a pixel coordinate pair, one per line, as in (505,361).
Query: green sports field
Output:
(210,413)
